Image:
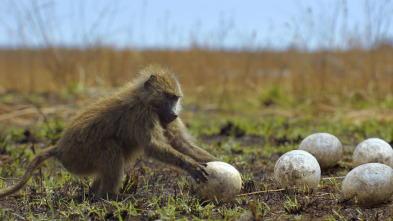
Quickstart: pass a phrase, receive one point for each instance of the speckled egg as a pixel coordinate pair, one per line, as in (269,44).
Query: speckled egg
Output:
(370,183)
(326,148)
(297,168)
(373,150)
(224,182)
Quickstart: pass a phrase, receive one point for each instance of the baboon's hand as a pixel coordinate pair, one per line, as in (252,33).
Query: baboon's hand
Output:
(199,173)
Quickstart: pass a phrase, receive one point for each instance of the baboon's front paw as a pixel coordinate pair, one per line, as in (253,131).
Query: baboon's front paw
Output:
(199,173)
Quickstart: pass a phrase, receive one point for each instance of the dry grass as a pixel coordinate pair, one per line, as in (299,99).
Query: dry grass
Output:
(365,74)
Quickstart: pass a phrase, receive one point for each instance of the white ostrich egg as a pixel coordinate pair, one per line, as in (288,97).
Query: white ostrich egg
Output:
(373,150)
(297,168)
(370,183)
(224,182)
(326,148)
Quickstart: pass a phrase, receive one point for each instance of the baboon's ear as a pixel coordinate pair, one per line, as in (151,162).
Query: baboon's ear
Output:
(149,83)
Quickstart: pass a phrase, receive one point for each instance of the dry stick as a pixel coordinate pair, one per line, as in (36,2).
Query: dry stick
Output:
(4,178)
(324,194)
(268,191)
(42,179)
(26,194)
(279,190)
(17,113)
(30,110)
(6,108)
(258,192)
(43,115)
(337,177)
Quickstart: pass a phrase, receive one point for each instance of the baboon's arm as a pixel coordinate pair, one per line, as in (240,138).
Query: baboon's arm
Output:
(180,140)
(158,148)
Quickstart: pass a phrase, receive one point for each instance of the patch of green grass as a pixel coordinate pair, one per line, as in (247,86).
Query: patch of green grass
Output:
(10,97)
(72,90)
(50,130)
(162,193)
(292,206)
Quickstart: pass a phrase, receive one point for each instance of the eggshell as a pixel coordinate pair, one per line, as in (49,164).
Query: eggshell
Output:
(224,182)
(297,168)
(326,148)
(373,150)
(370,183)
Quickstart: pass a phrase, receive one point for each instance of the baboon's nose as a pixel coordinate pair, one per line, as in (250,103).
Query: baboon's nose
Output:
(170,118)
(173,117)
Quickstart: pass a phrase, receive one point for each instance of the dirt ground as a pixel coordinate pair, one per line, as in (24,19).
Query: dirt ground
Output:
(324,203)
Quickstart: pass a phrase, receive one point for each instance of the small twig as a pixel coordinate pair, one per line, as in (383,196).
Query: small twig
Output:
(17,113)
(3,178)
(42,114)
(26,111)
(337,177)
(26,194)
(258,192)
(324,194)
(6,108)
(41,180)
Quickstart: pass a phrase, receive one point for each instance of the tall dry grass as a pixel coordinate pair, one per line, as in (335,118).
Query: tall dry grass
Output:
(369,73)
(364,74)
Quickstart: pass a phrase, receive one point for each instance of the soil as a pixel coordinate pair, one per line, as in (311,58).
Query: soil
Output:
(323,203)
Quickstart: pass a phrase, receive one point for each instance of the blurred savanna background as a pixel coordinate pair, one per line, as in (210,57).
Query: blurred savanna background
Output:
(258,77)
(330,52)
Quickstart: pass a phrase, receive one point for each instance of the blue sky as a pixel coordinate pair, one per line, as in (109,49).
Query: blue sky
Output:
(219,24)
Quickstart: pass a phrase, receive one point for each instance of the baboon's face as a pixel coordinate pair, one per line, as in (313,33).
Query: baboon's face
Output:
(165,97)
(169,111)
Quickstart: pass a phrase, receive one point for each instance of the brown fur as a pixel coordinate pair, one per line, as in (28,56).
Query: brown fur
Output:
(100,140)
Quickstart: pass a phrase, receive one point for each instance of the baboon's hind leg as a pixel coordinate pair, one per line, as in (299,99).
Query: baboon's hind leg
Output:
(110,171)
(95,187)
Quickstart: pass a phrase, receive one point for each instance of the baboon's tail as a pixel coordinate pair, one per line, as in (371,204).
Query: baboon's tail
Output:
(39,158)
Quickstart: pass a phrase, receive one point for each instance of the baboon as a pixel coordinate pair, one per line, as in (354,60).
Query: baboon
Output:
(142,117)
